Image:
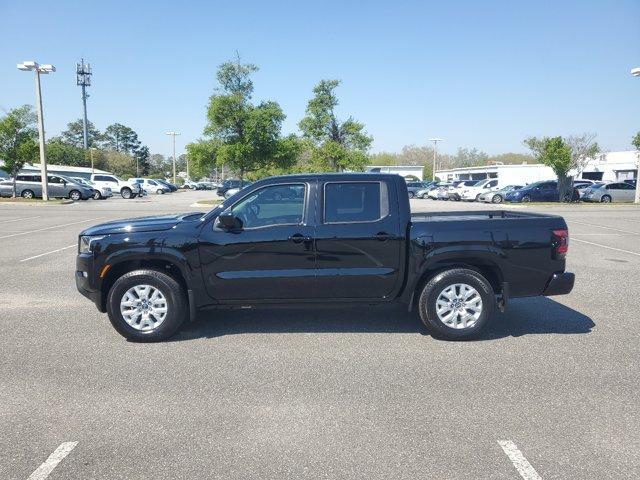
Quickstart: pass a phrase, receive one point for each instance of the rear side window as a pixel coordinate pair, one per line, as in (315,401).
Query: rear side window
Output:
(355,202)
(29,178)
(103,178)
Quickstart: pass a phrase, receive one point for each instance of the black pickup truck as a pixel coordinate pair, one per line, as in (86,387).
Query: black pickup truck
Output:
(337,238)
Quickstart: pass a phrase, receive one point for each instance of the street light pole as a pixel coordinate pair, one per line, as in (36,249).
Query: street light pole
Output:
(636,73)
(91,154)
(40,69)
(173,134)
(435,155)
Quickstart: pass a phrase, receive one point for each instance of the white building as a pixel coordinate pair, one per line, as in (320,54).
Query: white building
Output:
(612,167)
(506,174)
(83,172)
(402,170)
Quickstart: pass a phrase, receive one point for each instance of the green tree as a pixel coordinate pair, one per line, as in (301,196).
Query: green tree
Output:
(555,153)
(636,141)
(383,158)
(510,159)
(120,138)
(18,143)
(142,158)
(61,153)
(246,137)
(202,156)
(122,164)
(337,145)
(74,134)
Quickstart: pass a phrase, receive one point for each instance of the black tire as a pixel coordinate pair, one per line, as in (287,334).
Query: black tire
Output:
(126,193)
(97,195)
(411,194)
(526,199)
(496,199)
(177,305)
(605,199)
(75,195)
(27,194)
(435,286)
(160,192)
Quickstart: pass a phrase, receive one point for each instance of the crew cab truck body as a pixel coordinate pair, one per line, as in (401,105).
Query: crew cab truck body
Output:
(339,238)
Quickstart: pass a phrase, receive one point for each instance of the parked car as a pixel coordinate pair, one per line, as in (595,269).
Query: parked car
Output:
(117,185)
(472,192)
(6,188)
(228,184)
(170,186)
(189,184)
(99,193)
(414,187)
(543,191)
(232,191)
(344,239)
(206,186)
(29,185)
(497,196)
(582,185)
(151,185)
(610,192)
(438,191)
(458,186)
(425,191)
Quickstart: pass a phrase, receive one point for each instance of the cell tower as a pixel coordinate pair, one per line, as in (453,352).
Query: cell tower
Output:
(83,78)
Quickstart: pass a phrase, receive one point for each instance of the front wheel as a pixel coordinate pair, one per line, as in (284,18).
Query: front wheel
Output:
(411,194)
(146,305)
(496,199)
(606,199)
(125,193)
(456,304)
(28,194)
(160,192)
(97,195)
(75,195)
(526,199)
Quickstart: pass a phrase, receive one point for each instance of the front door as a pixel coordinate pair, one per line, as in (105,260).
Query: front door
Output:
(272,256)
(358,240)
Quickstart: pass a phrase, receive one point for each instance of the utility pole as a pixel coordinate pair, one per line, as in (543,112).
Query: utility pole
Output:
(83,78)
(91,154)
(435,155)
(636,73)
(173,134)
(45,70)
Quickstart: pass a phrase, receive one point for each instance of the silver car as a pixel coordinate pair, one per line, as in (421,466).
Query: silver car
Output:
(497,196)
(99,193)
(610,192)
(29,185)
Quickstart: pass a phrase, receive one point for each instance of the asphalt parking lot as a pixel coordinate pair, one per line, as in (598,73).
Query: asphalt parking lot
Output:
(551,391)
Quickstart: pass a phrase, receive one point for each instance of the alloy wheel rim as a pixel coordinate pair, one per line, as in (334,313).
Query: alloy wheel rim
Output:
(144,307)
(459,306)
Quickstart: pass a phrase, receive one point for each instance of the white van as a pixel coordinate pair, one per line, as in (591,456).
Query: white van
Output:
(117,185)
(151,185)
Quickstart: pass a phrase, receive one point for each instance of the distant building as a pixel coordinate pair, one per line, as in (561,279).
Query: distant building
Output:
(612,167)
(402,170)
(83,172)
(506,174)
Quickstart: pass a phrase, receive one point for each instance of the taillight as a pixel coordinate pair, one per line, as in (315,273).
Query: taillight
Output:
(561,243)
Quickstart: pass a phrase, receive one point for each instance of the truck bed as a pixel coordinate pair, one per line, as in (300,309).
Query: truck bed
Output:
(477,216)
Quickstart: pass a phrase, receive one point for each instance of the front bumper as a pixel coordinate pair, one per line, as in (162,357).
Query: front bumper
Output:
(560,284)
(84,275)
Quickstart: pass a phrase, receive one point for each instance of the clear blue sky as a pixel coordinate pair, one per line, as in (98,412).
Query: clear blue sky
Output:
(478,74)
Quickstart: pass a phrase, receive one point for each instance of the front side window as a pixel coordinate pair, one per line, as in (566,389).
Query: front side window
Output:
(355,202)
(273,205)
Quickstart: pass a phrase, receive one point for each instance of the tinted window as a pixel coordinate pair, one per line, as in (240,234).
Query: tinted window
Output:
(103,178)
(151,182)
(29,178)
(275,205)
(355,202)
(54,179)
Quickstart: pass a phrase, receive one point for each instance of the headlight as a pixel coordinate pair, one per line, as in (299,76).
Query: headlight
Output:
(86,241)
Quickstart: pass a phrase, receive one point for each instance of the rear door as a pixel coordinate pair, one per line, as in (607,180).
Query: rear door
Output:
(621,192)
(358,239)
(548,192)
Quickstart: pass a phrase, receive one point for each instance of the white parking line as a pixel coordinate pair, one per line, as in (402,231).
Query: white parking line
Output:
(607,247)
(18,219)
(606,228)
(54,459)
(524,468)
(49,228)
(47,253)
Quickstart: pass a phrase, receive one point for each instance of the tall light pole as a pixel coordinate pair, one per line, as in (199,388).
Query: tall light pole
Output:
(435,155)
(91,150)
(173,134)
(636,73)
(44,70)
(83,78)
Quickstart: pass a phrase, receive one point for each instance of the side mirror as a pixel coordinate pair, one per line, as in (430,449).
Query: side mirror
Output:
(229,222)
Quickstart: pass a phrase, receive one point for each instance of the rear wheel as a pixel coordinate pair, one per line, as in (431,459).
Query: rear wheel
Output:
(411,194)
(97,195)
(146,305)
(606,199)
(125,193)
(456,304)
(27,194)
